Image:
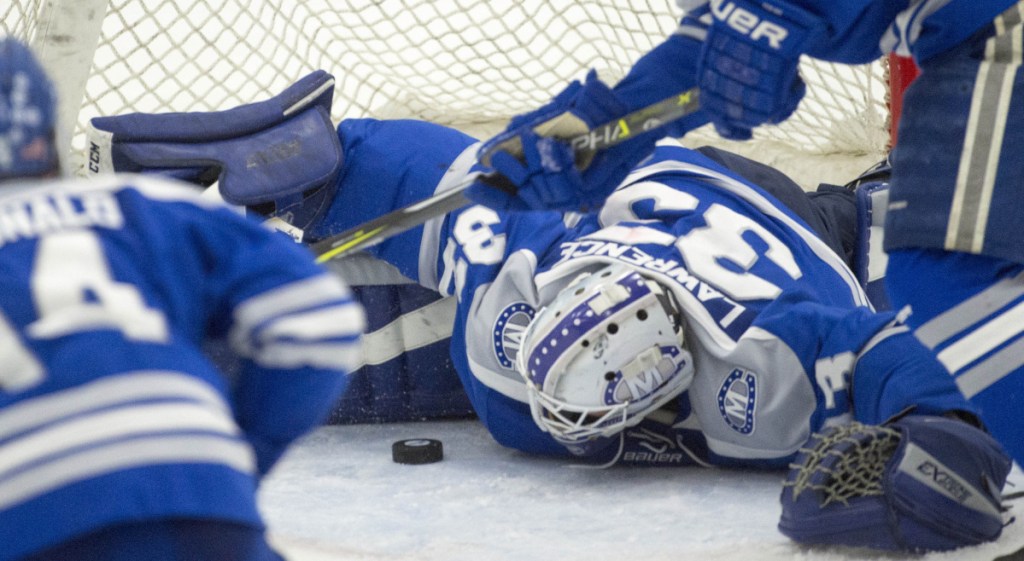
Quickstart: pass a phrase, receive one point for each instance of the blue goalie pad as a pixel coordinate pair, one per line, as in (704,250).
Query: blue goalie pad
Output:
(276,150)
(408,376)
(870,259)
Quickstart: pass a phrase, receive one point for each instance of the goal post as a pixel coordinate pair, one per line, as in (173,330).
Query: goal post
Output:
(902,71)
(63,35)
(471,64)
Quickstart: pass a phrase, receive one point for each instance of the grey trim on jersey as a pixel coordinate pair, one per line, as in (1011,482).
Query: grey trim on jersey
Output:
(1006,21)
(977,331)
(693,32)
(514,283)
(788,399)
(153,187)
(687,5)
(982,339)
(126,449)
(431,238)
(995,368)
(107,392)
(134,419)
(970,311)
(309,322)
(698,32)
(983,139)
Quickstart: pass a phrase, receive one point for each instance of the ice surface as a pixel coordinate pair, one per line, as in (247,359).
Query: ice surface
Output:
(338,496)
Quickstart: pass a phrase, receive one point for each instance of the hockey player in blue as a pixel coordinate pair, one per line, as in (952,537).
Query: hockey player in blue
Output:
(119,439)
(692,318)
(956,264)
(956,187)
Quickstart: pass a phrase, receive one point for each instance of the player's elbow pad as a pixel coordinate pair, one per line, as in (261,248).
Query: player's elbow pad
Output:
(308,323)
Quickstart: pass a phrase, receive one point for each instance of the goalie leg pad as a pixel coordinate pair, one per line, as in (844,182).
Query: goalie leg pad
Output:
(920,483)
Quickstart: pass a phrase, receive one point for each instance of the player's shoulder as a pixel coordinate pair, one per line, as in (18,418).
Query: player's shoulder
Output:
(147,186)
(150,187)
(693,171)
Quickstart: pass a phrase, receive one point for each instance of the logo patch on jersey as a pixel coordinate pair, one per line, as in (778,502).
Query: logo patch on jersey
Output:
(508,332)
(737,399)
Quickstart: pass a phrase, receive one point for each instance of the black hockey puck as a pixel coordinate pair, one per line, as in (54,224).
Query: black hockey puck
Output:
(417,451)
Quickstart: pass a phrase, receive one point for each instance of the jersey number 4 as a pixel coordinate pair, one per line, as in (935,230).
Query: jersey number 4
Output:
(73,291)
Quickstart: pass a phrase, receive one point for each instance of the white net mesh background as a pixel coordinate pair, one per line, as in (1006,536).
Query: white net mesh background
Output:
(471,64)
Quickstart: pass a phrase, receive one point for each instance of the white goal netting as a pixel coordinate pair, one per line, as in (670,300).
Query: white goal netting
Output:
(471,64)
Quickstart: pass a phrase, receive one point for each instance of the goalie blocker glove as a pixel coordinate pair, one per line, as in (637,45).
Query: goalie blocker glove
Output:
(920,483)
(748,71)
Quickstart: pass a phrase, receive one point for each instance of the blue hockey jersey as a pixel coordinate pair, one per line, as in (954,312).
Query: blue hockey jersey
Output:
(854,32)
(109,410)
(784,339)
(860,31)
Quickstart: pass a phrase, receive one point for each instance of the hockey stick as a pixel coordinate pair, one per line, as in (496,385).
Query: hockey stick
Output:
(585,146)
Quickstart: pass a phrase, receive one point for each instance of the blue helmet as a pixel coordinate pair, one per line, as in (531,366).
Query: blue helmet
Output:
(27,115)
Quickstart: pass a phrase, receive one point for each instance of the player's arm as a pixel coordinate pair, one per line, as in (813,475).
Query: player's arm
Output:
(915,473)
(865,363)
(293,326)
(388,165)
(670,67)
(533,154)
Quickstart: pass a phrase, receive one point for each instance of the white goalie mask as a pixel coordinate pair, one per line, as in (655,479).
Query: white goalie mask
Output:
(605,353)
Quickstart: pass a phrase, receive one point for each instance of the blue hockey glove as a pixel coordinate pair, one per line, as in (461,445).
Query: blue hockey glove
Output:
(748,69)
(920,483)
(538,168)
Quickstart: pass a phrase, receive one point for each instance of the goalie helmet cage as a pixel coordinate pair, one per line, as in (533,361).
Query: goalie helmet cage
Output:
(470,64)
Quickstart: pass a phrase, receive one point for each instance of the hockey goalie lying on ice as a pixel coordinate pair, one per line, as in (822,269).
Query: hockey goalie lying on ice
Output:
(695,318)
